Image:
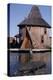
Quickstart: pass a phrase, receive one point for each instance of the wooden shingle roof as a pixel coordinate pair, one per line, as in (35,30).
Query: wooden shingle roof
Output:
(34,19)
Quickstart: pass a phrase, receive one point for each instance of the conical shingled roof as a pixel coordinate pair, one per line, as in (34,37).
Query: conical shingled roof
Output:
(34,13)
(34,19)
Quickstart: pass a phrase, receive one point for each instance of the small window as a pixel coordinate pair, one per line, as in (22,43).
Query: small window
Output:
(42,39)
(45,30)
(29,28)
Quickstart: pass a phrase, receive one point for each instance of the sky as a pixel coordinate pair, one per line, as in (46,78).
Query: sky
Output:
(19,12)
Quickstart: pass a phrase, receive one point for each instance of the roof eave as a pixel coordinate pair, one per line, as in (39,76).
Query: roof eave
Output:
(20,25)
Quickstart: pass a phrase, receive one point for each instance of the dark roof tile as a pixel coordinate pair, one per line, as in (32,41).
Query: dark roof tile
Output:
(34,19)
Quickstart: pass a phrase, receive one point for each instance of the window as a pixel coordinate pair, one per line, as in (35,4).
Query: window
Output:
(42,39)
(45,30)
(29,28)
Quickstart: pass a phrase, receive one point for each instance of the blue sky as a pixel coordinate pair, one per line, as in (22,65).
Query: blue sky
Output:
(19,11)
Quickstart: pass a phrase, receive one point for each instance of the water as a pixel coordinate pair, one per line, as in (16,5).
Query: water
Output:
(15,64)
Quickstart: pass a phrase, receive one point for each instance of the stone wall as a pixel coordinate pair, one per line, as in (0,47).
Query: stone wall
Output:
(36,33)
